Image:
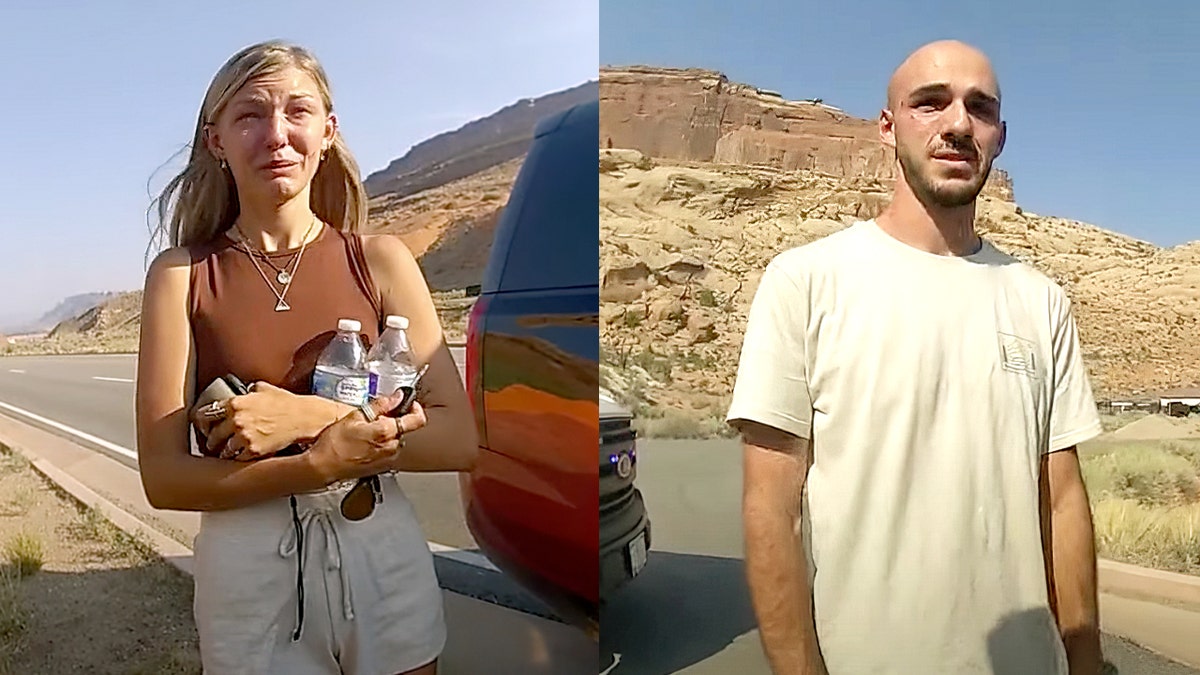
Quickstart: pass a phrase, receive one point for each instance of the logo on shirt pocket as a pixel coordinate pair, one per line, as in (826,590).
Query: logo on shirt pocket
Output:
(1018,355)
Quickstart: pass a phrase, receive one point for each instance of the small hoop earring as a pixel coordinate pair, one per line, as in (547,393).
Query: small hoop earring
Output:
(224,164)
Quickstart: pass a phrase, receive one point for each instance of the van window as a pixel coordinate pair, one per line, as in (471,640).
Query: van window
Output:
(550,225)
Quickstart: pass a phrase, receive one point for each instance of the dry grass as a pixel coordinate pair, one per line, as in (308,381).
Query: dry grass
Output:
(1114,421)
(1146,502)
(636,378)
(25,554)
(113,542)
(11,462)
(681,424)
(14,619)
(19,501)
(454,309)
(1162,473)
(1162,538)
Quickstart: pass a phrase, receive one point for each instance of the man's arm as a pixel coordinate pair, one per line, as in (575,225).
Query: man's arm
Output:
(775,467)
(1068,544)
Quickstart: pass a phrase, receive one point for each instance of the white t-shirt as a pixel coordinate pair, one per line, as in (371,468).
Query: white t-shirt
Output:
(930,387)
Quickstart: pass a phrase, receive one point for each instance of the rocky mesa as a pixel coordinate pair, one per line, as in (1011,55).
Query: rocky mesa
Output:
(684,238)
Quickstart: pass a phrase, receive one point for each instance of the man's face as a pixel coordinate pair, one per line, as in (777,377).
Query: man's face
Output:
(945,125)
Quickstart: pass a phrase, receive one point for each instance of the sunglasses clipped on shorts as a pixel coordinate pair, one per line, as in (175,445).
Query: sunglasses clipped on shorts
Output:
(367,492)
(361,500)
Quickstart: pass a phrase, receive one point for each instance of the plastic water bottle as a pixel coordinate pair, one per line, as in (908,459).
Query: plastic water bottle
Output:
(341,372)
(390,361)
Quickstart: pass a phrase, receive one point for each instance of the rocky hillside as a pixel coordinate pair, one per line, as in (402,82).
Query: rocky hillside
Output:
(110,327)
(682,246)
(449,228)
(498,138)
(67,309)
(444,196)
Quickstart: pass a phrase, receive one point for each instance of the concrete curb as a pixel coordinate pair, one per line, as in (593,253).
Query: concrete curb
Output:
(1125,579)
(168,549)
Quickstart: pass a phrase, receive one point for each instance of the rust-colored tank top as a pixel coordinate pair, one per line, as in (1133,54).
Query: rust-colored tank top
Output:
(234,322)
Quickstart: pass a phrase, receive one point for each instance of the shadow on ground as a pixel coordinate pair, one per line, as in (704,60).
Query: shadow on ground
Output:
(126,621)
(681,610)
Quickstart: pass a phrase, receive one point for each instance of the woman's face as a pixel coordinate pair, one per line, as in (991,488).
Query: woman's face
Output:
(272,134)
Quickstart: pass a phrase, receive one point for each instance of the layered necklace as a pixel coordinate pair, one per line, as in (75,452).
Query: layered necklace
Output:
(283,275)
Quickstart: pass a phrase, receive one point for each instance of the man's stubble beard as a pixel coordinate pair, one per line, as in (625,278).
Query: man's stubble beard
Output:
(947,197)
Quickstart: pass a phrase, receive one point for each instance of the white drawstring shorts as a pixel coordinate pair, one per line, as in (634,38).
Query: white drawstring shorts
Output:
(372,605)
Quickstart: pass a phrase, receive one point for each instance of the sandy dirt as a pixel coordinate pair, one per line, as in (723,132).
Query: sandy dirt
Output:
(1158,427)
(100,604)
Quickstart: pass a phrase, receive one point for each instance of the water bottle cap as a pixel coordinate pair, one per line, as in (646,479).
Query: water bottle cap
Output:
(397,322)
(349,325)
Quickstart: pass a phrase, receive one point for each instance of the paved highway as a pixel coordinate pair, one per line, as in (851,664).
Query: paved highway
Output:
(689,611)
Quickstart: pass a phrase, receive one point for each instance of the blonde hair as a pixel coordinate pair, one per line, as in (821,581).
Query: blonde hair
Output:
(201,202)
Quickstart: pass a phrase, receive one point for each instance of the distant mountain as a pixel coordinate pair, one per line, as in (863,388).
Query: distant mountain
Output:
(475,146)
(109,327)
(444,197)
(67,309)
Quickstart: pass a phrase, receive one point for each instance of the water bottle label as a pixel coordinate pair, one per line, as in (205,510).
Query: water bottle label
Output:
(387,384)
(349,389)
(373,387)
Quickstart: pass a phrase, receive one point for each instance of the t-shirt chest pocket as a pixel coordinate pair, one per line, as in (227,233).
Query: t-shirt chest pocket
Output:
(1021,369)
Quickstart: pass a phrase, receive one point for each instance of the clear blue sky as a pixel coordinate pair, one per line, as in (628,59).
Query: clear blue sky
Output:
(1100,97)
(98,96)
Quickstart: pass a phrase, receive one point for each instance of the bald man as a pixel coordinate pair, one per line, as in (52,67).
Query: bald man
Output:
(910,399)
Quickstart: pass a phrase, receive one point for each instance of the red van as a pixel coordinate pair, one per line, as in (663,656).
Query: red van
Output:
(534,502)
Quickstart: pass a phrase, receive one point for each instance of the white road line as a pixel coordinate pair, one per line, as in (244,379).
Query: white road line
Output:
(72,431)
(463,556)
(112,379)
(14,370)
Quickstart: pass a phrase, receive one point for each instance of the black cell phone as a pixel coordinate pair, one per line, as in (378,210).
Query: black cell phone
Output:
(236,384)
(410,395)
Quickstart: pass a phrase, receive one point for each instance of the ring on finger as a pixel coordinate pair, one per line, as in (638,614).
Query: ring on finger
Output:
(400,431)
(368,412)
(215,410)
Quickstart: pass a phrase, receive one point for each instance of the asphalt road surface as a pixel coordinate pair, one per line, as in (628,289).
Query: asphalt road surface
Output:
(689,610)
